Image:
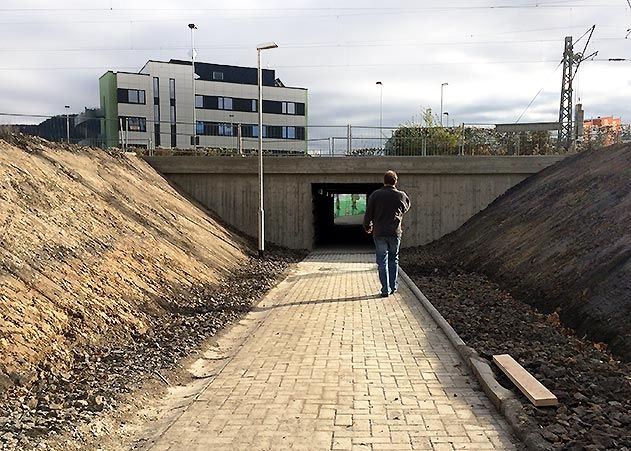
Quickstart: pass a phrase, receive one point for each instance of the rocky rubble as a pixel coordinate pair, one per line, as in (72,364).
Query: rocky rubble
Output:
(593,388)
(57,402)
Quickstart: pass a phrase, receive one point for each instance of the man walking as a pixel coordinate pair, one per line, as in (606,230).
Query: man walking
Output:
(384,212)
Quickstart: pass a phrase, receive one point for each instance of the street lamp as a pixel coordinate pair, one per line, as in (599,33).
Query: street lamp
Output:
(380,109)
(442,86)
(67,107)
(193,27)
(265,46)
(232,133)
(446,114)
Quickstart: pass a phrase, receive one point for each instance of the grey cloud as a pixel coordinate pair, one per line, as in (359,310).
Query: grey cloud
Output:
(340,77)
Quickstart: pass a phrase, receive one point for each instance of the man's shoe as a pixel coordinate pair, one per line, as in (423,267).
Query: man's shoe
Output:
(384,295)
(393,291)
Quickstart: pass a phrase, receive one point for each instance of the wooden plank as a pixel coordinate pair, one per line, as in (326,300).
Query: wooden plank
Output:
(526,382)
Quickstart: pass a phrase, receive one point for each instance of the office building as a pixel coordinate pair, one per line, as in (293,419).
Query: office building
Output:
(154,108)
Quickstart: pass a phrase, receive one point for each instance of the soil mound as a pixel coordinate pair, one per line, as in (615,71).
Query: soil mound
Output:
(561,241)
(92,247)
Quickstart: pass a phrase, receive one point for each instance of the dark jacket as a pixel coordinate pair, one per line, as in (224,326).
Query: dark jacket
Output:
(385,209)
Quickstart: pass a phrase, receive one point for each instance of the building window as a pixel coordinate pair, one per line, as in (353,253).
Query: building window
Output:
(249,131)
(217,75)
(134,96)
(156,111)
(225,130)
(133,124)
(172,113)
(157,137)
(172,88)
(289,108)
(220,129)
(289,132)
(156,91)
(254,104)
(199,101)
(225,103)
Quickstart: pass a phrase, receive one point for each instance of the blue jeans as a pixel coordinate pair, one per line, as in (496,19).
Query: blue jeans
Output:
(387,250)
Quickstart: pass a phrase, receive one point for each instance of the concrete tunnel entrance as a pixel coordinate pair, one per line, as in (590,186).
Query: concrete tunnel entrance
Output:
(338,212)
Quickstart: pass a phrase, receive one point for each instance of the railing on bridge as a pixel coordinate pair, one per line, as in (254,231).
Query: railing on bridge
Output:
(407,140)
(341,141)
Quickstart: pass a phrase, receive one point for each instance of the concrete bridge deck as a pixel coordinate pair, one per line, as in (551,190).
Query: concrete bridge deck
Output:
(334,367)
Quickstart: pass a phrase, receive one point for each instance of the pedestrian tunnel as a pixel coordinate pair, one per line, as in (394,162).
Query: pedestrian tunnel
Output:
(338,213)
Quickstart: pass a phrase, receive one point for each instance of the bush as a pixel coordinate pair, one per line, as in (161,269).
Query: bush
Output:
(7,131)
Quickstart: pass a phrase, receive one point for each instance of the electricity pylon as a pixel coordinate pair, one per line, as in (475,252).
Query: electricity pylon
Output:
(571,63)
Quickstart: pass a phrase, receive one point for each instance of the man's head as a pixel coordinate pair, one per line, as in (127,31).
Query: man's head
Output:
(390,178)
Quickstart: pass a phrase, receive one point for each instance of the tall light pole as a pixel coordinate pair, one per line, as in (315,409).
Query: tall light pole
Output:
(193,27)
(232,133)
(67,107)
(380,84)
(259,106)
(442,86)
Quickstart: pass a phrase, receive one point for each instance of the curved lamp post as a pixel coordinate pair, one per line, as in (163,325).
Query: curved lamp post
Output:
(442,86)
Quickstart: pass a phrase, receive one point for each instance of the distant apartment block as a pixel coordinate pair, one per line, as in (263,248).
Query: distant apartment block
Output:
(154,108)
(606,129)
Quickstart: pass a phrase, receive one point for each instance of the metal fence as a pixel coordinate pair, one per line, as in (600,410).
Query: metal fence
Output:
(331,141)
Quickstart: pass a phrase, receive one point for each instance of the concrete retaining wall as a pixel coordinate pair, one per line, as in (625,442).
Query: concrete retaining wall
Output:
(445,191)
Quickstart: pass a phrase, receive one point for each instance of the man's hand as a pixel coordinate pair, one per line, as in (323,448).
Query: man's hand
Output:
(368,229)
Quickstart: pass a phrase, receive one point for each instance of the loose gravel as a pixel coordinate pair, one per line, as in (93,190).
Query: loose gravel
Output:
(593,388)
(57,402)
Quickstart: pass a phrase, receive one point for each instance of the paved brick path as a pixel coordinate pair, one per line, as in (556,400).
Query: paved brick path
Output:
(333,367)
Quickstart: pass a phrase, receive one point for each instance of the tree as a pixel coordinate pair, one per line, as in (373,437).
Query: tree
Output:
(428,138)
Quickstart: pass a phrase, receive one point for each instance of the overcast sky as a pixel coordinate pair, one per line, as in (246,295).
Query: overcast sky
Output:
(495,55)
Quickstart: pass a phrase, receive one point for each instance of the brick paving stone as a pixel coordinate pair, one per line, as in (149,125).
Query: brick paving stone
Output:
(335,367)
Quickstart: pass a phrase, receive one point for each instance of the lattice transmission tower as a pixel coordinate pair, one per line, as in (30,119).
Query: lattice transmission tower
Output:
(571,63)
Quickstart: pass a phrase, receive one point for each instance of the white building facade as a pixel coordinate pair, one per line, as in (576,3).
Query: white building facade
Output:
(154,108)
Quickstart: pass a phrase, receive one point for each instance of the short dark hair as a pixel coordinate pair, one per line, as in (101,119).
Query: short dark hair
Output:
(390,178)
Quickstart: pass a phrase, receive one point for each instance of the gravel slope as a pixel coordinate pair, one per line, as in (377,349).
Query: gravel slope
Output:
(593,388)
(561,241)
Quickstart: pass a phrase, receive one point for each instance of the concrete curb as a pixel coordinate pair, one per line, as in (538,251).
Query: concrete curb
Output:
(504,400)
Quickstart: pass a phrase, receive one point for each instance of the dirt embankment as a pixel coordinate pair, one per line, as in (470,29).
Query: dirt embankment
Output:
(93,246)
(561,240)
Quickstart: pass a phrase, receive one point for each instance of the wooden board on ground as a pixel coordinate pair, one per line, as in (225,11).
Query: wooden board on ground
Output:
(526,382)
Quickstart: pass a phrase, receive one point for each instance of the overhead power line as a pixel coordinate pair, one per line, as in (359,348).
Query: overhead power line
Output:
(536,95)
(357,44)
(292,66)
(25,115)
(337,10)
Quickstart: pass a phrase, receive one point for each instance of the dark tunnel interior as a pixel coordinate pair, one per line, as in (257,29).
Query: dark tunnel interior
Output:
(335,225)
